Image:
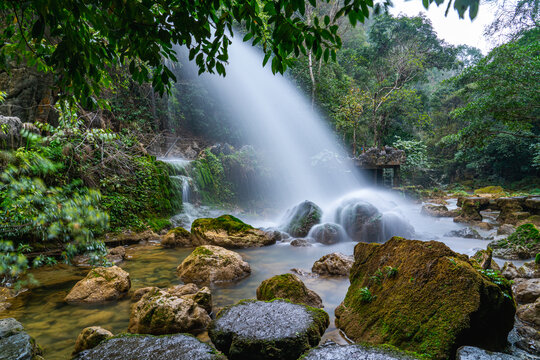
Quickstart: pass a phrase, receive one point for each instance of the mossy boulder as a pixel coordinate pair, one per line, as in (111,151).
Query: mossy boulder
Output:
(289,287)
(259,330)
(361,220)
(213,264)
(90,337)
(511,209)
(301,218)
(437,210)
(332,351)
(327,233)
(490,191)
(524,243)
(229,232)
(436,300)
(100,284)
(177,237)
(15,343)
(169,311)
(470,209)
(144,347)
(334,264)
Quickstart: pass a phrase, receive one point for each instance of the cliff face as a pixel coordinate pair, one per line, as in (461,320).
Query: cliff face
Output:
(29,95)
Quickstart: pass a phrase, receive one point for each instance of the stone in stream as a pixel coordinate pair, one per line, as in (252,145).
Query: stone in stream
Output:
(229,232)
(180,309)
(301,243)
(336,264)
(332,351)
(509,271)
(258,330)
(301,218)
(289,287)
(474,353)
(327,233)
(530,313)
(361,220)
(148,347)
(529,270)
(527,290)
(15,343)
(524,243)
(484,258)
(212,264)
(177,237)
(506,229)
(467,233)
(470,209)
(90,337)
(100,284)
(436,211)
(116,255)
(511,209)
(435,295)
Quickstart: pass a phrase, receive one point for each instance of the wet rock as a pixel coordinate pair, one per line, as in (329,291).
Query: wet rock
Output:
(394,224)
(90,337)
(524,243)
(470,209)
(332,351)
(467,233)
(361,221)
(439,284)
(15,343)
(511,209)
(490,191)
(529,270)
(474,353)
(301,218)
(144,347)
(527,291)
(333,264)
(327,234)
(166,311)
(506,229)
(116,255)
(533,203)
(177,237)
(300,243)
(484,258)
(530,313)
(100,284)
(267,330)
(528,339)
(130,237)
(483,225)
(303,273)
(212,264)
(288,287)
(5,295)
(509,271)
(139,293)
(228,232)
(436,210)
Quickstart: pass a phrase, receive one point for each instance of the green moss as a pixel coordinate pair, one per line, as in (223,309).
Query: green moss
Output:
(525,235)
(202,251)
(229,223)
(285,286)
(537,259)
(495,190)
(180,231)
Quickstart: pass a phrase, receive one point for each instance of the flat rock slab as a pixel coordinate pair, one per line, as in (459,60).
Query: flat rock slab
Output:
(353,352)
(147,347)
(267,330)
(474,353)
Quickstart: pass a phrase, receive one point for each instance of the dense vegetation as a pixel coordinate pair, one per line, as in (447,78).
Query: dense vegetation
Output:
(86,171)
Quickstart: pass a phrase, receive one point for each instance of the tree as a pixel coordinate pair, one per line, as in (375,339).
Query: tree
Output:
(78,40)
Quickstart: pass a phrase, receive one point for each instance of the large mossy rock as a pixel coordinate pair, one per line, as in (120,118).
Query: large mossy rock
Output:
(146,347)
(301,218)
(212,264)
(229,232)
(432,302)
(170,311)
(15,343)
(100,284)
(259,330)
(511,209)
(470,209)
(361,220)
(332,351)
(524,243)
(288,287)
(177,237)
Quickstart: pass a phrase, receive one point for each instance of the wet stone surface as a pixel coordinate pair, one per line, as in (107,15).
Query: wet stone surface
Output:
(332,351)
(147,347)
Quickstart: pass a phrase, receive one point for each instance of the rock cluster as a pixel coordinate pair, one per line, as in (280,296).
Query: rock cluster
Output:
(100,284)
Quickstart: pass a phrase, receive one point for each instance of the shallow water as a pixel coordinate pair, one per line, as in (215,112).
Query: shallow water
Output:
(55,324)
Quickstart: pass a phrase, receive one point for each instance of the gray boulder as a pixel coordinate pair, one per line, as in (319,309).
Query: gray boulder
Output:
(474,353)
(332,351)
(15,343)
(301,218)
